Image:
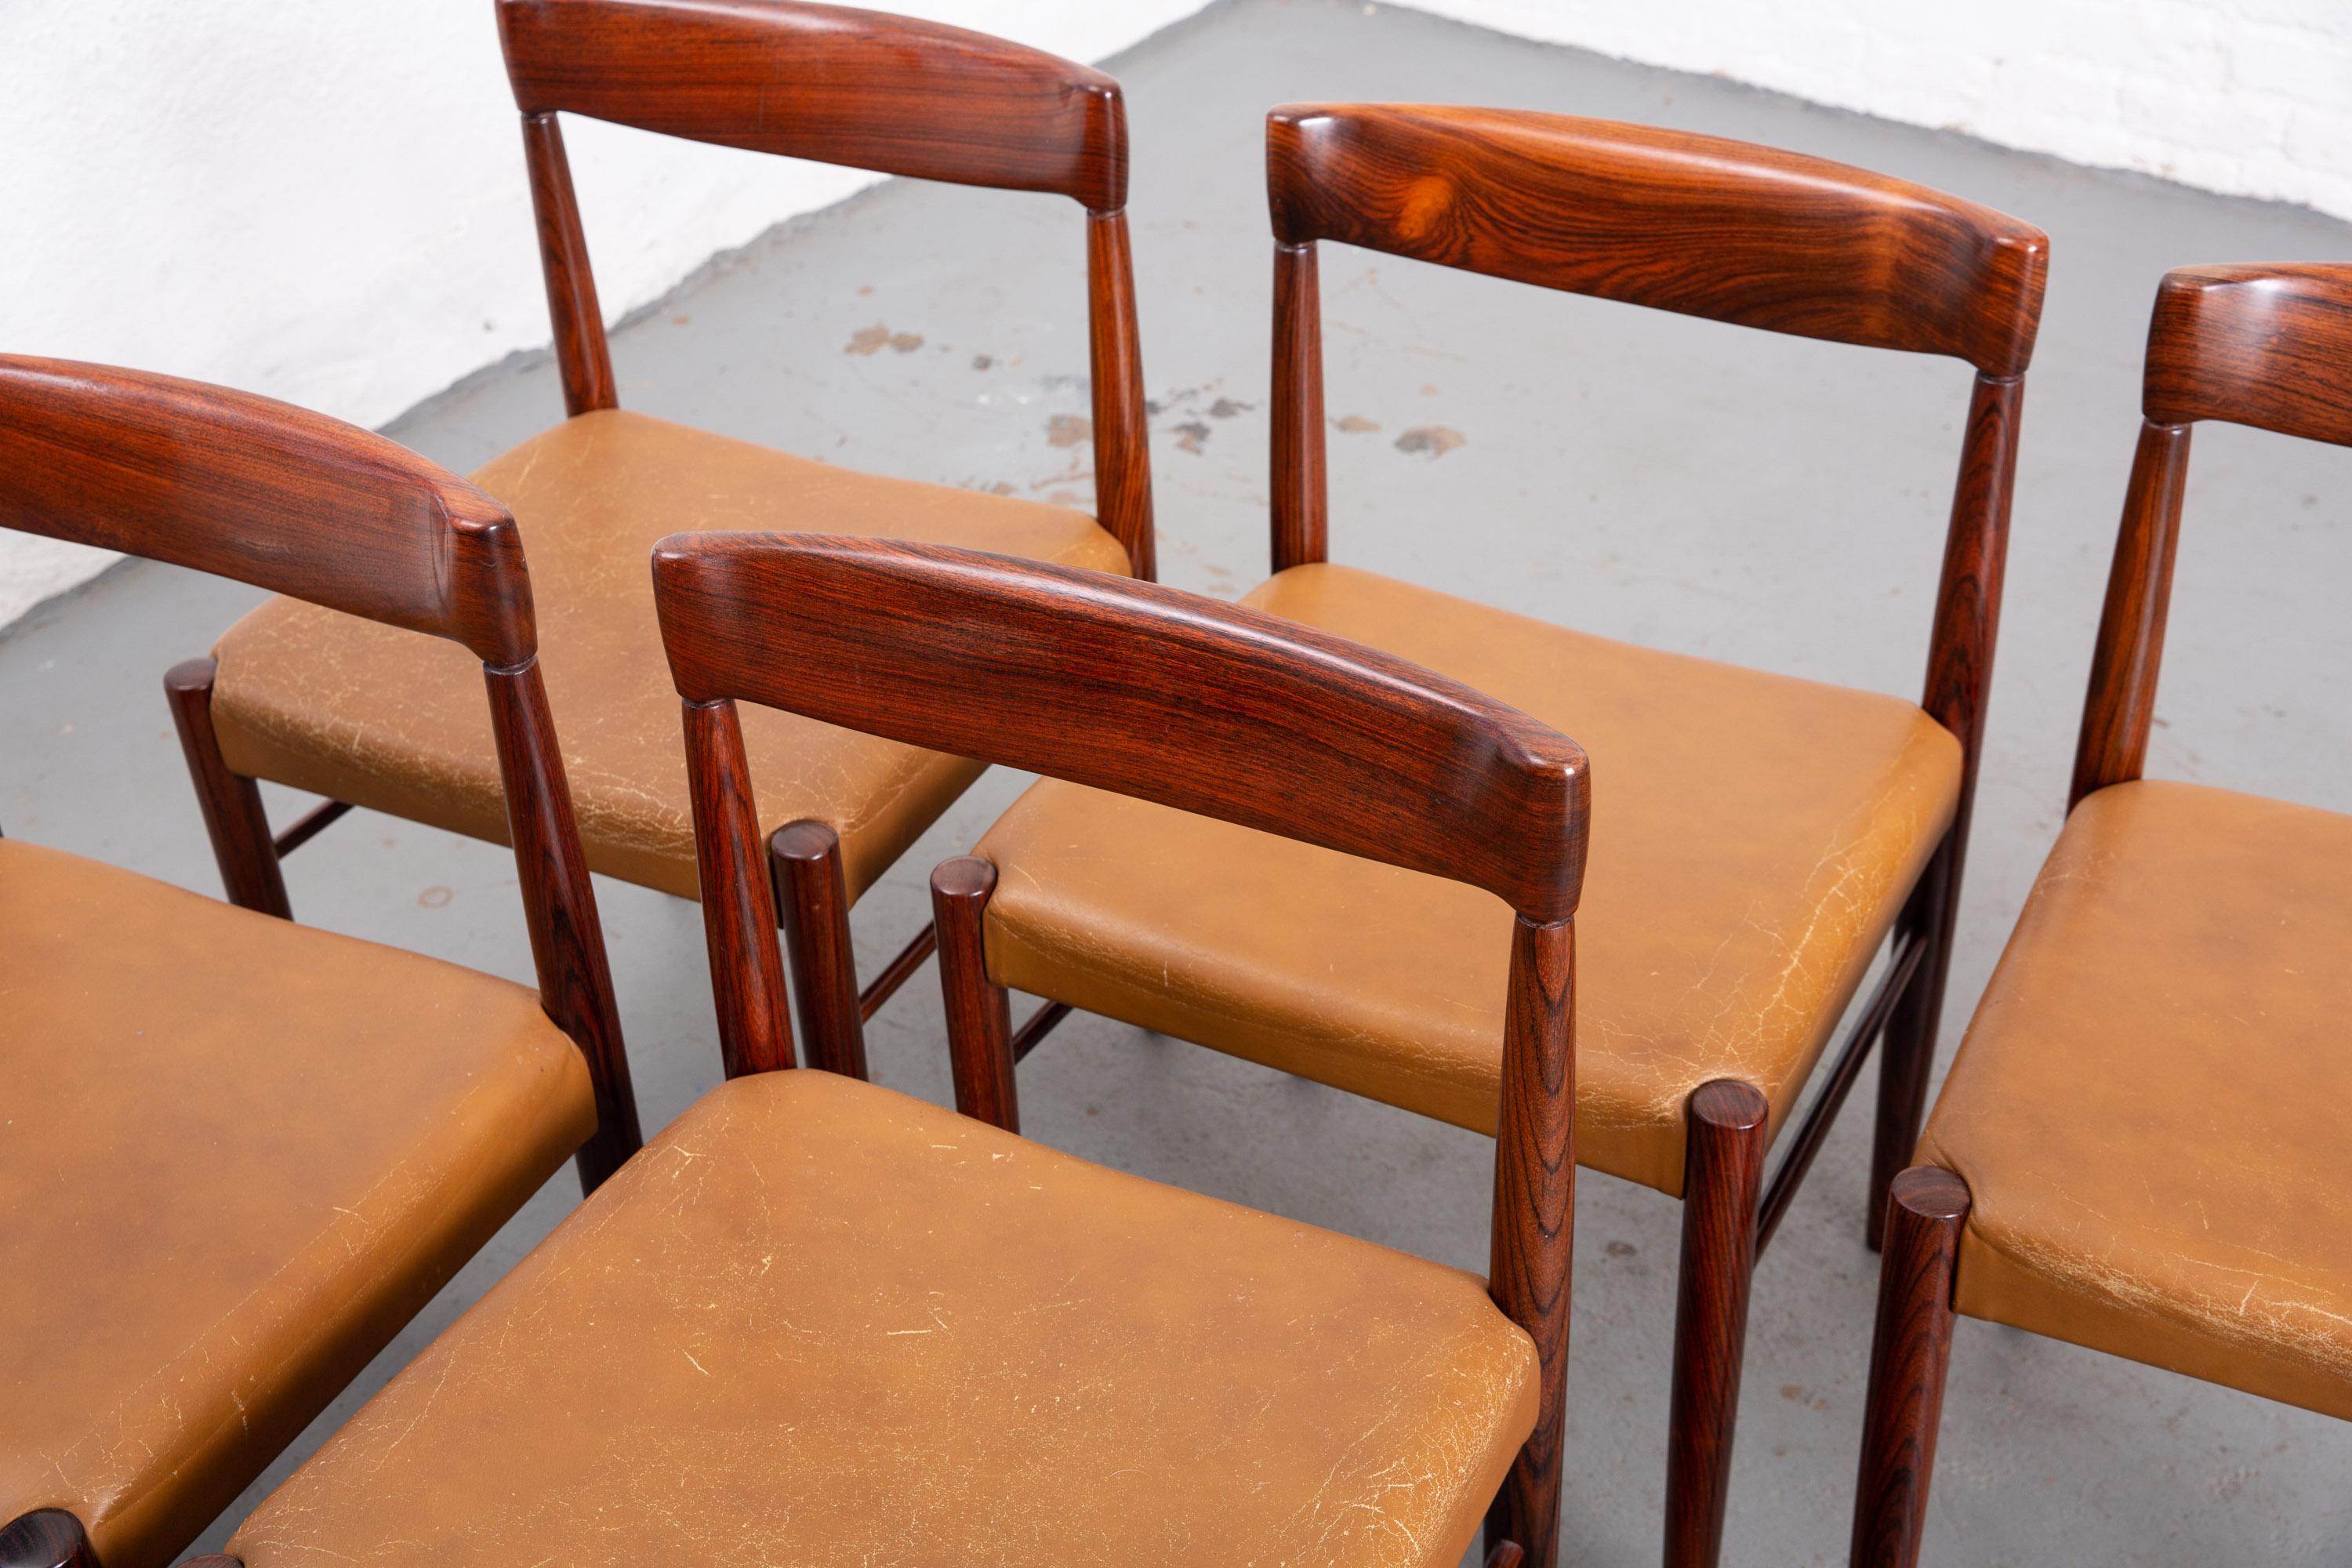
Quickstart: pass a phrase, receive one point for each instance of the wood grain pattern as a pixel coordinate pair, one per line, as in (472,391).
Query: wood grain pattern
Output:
(1122,441)
(1662,218)
(1723,1174)
(826,82)
(1908,1356)
(261,491)
(739,910)
(583,358)
(1531,1247)
(1086,676)
(2120,707)
(231,803)
(2264,344)
(811,893)
(1301,498)
(979,1012)
(567,937)
(46,1538)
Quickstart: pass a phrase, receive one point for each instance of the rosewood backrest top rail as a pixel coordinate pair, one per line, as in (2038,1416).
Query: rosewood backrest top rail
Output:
(2262,344)
(299,504)
(1189,702)
(840,86)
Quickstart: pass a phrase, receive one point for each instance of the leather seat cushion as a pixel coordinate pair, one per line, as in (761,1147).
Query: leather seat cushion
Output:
(398,721)
(819,1322)
(2149,1110)
(1753,838)
(236,1155)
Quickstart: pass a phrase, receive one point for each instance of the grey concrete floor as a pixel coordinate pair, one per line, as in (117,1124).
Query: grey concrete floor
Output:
(1669,481)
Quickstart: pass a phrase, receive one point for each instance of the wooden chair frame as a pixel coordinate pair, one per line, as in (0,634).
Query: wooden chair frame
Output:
(1761,238)
(839,86)
(1171,698)
(292,502)
(2268,345)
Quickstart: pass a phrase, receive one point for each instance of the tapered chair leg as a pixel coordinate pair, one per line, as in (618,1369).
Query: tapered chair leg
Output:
(231,803)
(1723,1174)
(1906,1052)
(1908,1357)
(46,1538)
(813,903)
(980,1012)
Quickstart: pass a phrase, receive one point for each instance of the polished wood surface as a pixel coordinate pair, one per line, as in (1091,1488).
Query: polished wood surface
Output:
(1926,1209)
(2262,344)
(738,909)
(1693,224)
(1086,676)
(980,1023)
(46,1538)
(842,86)
(299,504)
(811,895)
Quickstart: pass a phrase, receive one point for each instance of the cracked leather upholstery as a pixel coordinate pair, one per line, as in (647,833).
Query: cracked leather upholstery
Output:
(395,721)
(819,1322)
(1753,838)
(2148,1109)
(236,1154)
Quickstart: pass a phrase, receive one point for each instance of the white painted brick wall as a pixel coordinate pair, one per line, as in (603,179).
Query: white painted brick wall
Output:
(2248,97)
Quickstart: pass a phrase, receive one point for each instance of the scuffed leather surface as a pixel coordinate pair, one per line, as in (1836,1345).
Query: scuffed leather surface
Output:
(1753,838)
(817,1322)
(236,1155)
(398,721)
(2148,1109)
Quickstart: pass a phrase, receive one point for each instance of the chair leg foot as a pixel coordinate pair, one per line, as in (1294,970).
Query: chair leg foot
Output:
(1907,1051)
(46,1538)
(813,905)
(1723,1176)
(1908,1357)
(231,803)
(980,1012)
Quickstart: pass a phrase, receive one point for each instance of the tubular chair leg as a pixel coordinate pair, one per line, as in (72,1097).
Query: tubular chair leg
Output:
(46,1538)
(1906,1052)
(1908,1357)
(980,1012)
(1723,1176)
(231,803)
(813,903)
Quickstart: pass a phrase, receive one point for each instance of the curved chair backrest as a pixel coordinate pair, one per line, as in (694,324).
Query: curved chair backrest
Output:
(858,88)
(2264,344)
(304,505)
(1675,222)
(1173,697)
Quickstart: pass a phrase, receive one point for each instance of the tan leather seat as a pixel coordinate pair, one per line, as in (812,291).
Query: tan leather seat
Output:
(821,1323)
(2149,1110)
(236,1155)
(1753,838)
(390,720)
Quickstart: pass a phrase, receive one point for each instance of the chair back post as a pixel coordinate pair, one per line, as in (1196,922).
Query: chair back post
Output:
(583,358)
(860,88)
(1300,507)
(298,504)
(2262,344)
(739,906)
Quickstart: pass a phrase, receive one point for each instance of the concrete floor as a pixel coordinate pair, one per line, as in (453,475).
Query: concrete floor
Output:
(1669,481)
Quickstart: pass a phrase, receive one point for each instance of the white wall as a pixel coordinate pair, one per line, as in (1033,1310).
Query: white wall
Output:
(2249,97)
(324,201)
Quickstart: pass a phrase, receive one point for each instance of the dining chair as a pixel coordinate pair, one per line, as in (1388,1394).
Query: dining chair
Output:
(1761,833)
(2138,1148)
(237,1154)
(818,1322)
(365,715)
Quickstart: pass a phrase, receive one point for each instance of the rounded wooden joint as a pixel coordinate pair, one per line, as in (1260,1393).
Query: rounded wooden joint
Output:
(191,675)
(47,1537)
(804,840)
(1729,1105)
(1930,1192)
(963,877)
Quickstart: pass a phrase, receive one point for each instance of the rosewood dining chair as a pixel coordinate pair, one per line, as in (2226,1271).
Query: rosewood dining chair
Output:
(819,1321)
(2139,1147)
(365,715)
(239,1154)
(1763,833)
